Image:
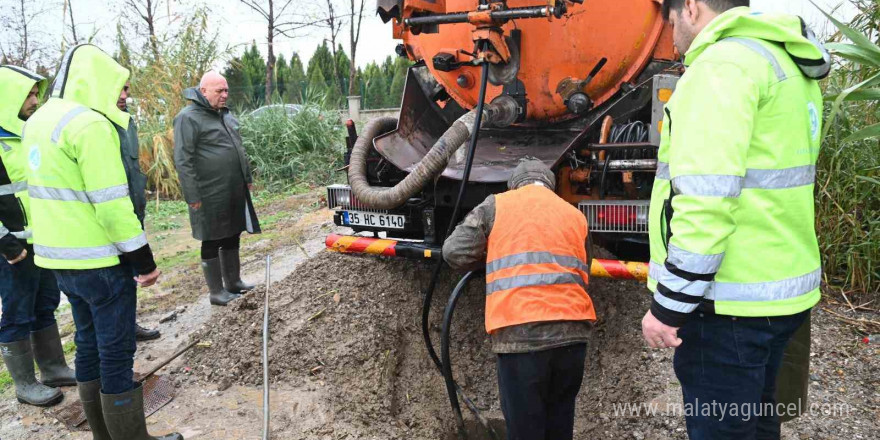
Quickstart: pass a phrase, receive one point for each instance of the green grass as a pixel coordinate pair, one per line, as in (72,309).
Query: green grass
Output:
(64,308)
(69,347)
(187,257)
(5,381)
(166,215)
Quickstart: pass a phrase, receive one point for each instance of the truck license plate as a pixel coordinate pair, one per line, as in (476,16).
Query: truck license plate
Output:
(355,218)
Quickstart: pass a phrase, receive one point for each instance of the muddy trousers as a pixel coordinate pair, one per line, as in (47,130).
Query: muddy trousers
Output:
(727,367)
(103,302)
(30,296)
(538,392)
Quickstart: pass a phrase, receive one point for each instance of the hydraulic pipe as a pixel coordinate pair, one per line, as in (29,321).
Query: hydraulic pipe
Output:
(446,362)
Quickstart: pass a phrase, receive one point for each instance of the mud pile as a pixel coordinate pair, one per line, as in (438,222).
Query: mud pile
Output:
(351,326)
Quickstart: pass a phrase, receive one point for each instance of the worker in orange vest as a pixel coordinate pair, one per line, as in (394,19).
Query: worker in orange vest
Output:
(538,313)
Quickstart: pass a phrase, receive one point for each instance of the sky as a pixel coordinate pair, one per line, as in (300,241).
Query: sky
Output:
(238,26)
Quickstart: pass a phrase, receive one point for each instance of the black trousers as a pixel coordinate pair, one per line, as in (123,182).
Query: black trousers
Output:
(538,392)
(211,248)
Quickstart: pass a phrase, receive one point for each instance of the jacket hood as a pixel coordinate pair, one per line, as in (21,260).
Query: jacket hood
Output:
(195,95)
(90,77)
(789,31)
(15,85)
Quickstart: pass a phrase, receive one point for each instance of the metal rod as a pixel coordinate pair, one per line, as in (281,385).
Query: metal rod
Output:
(630,165)
(498,16)
(266,352)
(169,360)
(621,146)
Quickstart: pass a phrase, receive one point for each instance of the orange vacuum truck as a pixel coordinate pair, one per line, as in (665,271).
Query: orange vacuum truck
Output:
(578,84)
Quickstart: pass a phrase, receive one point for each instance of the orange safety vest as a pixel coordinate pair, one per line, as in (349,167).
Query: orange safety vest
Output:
(536,267)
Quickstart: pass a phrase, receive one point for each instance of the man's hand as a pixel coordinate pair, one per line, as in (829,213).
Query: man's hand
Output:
(149,279)
(658,334)
(195,205)
(250,186)
(20,257)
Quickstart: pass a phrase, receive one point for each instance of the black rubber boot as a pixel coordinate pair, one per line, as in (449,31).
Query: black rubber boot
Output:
(124,416)
(145,334)
(219,295)
(230,261)
(20,363)
(49,355)
(90,396)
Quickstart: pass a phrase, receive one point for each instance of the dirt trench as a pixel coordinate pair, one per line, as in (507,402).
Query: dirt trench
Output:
(350,327)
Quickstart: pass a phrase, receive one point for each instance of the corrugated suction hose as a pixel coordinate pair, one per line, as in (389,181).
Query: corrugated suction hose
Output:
(427,169)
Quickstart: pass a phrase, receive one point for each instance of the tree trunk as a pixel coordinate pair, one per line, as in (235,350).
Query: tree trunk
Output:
(354,36)
(72,23)
(270,63)
(151,26)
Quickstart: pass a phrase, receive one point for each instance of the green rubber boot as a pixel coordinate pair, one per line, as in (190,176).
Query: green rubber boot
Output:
(49,354)
(124,416)
(90,396)
(19,362)
(214,279)
(230,261)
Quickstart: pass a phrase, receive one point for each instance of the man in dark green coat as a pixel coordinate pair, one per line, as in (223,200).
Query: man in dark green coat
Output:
(216,179)
(137,184)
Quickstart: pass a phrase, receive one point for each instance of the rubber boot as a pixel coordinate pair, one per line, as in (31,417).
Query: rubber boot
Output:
(230,261)
(793,379)
(49,355)
(124,416)
(219,295)
(145,334)
(20,363)
(90,396)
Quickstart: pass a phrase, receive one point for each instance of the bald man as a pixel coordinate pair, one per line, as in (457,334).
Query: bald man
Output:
(215,175)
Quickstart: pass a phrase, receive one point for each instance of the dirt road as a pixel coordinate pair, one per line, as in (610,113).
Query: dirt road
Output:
(348,361)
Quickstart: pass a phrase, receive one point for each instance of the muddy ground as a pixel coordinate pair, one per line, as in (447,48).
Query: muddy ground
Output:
(347,359)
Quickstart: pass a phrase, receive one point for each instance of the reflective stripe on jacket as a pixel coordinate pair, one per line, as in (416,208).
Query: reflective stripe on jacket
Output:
(536,267)
(732,209)
(82,216)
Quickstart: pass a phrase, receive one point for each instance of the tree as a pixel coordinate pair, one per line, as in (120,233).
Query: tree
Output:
(68,9)
(246,76)
(279,21)
(282,76)
(317,85)
(123,54)
(343,66)
(376,88)
(297,82)
(18,19)
(400,67)
(388,70)
(255,71)
(323,60)
(146,11)
(356,8)
(334,23)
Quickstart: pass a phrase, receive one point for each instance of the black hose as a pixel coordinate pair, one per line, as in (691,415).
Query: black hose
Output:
(429,292)
(444,349)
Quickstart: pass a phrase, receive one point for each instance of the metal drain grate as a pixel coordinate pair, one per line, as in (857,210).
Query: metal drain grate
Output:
(158,392)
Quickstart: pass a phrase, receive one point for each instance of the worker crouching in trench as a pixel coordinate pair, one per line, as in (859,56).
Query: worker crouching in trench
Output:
(538,313)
